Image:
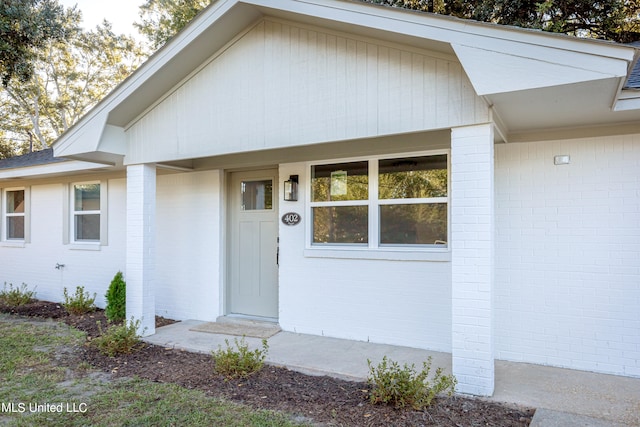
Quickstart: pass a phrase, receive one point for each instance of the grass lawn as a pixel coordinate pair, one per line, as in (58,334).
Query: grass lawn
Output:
(40,386)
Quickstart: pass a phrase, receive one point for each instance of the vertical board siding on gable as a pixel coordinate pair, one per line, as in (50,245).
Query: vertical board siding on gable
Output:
(280,85)
(568,254)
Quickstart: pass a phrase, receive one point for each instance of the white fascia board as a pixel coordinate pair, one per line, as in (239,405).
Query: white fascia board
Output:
(84,137)
(438,27)
(59,168)
(493,72)
(628,100)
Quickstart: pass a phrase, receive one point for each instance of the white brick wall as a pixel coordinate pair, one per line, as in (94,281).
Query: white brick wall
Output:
(472,259)
(568,254)
(141,246)
(188,273)
(34,264)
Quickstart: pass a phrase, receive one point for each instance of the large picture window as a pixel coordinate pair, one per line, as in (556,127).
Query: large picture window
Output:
(14,215)
(399,201)
(86,212)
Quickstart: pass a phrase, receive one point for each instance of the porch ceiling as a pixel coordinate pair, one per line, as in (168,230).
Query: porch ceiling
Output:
(587,104)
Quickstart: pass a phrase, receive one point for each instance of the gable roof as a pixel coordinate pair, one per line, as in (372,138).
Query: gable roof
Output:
(519,72)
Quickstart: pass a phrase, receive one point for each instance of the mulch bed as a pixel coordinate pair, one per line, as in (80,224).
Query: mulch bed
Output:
(319,400)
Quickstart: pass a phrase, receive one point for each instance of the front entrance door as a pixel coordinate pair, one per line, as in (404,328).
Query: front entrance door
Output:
(253,220)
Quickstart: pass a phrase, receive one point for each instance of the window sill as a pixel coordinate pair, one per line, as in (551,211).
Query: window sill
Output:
(12,244)
(85,246)
(386,254)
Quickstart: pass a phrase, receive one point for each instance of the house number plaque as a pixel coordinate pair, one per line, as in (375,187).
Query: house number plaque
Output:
(291,218)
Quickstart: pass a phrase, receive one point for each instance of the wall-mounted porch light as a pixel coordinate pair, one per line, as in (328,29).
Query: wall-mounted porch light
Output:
(291,188)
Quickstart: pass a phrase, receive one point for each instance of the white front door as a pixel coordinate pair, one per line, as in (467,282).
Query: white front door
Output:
(253,220)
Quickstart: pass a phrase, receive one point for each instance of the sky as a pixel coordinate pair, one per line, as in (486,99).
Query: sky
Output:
(121,13)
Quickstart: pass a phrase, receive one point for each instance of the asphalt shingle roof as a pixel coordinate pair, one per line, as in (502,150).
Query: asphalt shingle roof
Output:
(633,82)
(35,158)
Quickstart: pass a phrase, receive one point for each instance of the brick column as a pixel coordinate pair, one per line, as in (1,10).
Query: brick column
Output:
(141,245)
(472,258)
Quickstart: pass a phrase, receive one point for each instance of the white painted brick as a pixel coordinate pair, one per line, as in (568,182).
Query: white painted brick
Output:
(189,209)
(34,264)
(588,214)
(141,244)
(472,258)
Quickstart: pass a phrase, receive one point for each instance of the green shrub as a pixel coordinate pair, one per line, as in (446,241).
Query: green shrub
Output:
(80,303)
(403,386)
(116,309)
(239,362)
(15,297)
(118,339)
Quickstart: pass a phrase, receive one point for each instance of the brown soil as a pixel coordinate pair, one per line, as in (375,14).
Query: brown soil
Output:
(318,400)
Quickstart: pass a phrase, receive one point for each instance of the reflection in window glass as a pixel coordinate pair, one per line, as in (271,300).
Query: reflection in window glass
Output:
(257,195)
(340,181)
(87,197)
(340,224)
(15,215)
(413,177)
(86,216)
(15,228)
(15,201)
(413,224)
(87,227)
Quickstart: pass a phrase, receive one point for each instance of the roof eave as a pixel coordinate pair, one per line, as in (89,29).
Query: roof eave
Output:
(220,22)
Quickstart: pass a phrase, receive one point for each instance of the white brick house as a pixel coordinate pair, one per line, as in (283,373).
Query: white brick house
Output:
(462,187)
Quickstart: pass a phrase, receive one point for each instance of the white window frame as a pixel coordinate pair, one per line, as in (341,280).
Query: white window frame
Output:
(6,241)
(70,234)
(373,249)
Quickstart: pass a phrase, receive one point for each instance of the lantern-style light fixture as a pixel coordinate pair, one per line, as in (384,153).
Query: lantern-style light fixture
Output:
(291,189)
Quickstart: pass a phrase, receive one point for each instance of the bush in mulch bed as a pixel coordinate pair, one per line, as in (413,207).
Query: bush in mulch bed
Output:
(324,400)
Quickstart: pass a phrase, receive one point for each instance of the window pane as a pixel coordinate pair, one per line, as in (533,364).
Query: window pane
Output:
(413,177)
(419,224)
(87,227)
(340,224)
(340,181)
(15,201)
(87,197)
(15,227)
(257,195)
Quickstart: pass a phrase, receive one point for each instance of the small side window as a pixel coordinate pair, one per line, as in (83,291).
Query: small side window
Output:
(14,215)
(86,212)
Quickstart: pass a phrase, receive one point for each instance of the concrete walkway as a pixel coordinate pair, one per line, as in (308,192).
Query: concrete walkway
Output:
(563,397)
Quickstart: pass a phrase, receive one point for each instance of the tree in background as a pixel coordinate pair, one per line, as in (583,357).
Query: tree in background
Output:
(615,20)
(68,78)
(162,19)
(25,27)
